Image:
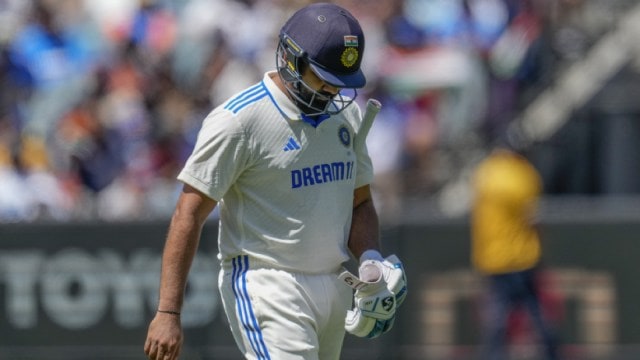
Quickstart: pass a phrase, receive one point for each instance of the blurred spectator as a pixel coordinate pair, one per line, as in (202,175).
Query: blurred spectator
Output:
(506,247)
(29,191)
(95,151)
(434,74)
(513,64)
(54,57)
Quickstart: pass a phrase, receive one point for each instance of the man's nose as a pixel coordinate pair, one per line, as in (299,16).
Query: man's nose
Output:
(330,89)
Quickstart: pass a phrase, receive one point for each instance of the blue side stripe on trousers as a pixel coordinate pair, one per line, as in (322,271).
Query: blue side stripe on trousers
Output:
(245,310)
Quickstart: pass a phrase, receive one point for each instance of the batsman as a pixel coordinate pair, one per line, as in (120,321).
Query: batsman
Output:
(287,164)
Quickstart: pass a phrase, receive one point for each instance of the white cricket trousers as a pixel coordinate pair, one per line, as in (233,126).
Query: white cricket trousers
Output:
(283,315)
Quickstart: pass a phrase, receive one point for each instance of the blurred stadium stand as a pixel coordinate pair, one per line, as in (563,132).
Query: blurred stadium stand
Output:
(101,100)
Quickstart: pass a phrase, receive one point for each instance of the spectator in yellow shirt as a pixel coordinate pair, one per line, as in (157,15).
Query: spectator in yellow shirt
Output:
(506,245)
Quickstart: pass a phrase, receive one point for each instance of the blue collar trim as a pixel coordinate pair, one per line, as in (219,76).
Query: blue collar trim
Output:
(314,120)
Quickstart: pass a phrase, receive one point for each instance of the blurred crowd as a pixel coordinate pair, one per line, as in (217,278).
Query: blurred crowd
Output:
(100,101)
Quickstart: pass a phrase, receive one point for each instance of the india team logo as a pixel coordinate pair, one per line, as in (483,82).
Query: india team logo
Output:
(345,136)
(349,57)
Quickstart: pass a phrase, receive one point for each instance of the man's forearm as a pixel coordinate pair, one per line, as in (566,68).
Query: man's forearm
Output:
(364,233)
(180,248)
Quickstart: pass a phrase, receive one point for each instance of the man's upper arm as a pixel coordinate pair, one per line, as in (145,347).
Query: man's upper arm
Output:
(194,203)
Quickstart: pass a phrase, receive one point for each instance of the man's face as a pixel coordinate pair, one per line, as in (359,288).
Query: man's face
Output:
(319,93)
(317,84)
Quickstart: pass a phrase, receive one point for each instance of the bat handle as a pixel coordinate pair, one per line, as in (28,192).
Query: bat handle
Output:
(375,103)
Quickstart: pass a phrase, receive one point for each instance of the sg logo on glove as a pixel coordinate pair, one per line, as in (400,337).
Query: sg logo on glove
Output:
(388,303)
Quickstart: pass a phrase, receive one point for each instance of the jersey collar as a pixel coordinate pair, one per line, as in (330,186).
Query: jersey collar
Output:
(287,108)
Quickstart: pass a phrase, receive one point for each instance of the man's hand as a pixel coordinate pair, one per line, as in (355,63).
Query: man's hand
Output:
(164,338)
(380,288)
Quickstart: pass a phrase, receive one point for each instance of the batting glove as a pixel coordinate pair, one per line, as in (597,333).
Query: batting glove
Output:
(375,302)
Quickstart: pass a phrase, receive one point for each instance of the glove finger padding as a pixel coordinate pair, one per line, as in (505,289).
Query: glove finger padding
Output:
(364,326)
(373,312)
(359,325)
(395,277)
(376,301)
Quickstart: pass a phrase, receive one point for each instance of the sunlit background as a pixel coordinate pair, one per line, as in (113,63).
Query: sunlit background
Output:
(101,101)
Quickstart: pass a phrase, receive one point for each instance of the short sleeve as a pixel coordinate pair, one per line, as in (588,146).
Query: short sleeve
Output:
(219,156)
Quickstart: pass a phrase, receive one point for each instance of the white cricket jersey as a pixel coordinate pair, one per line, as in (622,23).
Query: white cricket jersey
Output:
(284,187)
